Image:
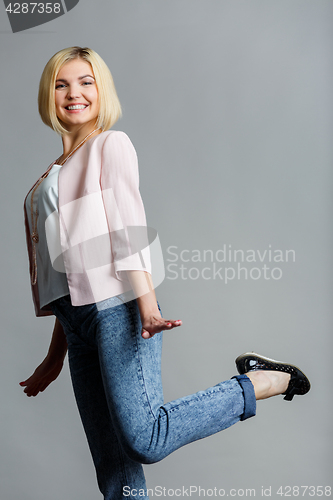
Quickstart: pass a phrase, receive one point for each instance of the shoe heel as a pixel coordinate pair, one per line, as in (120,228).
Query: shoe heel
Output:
(289,396)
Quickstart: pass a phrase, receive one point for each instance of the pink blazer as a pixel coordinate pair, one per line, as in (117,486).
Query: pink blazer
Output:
(102,221)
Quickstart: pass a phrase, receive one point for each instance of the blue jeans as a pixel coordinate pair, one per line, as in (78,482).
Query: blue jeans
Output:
(116,376)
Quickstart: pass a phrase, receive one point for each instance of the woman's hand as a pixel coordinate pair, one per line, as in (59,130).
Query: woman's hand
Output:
(154,323)
(151,319)
(42,377)
(50,368)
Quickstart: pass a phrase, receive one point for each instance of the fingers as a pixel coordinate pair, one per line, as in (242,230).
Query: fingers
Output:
(173,323)
(31,388)
(145,334)
(149,331)
(30,380)
(30,392)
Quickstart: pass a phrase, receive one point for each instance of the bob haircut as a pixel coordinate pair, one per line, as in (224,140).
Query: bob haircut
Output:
(109,105)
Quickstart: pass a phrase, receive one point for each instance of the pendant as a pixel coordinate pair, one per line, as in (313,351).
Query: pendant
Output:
(35,237)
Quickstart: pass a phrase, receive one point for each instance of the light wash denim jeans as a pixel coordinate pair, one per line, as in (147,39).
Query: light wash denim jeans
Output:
(116,377)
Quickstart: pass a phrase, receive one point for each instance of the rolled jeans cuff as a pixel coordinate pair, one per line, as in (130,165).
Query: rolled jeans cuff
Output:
(250,402)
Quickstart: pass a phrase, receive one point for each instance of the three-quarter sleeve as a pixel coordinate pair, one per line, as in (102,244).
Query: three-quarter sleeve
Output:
(123,205)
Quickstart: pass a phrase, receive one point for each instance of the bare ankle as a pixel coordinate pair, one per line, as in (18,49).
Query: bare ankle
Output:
(268,383)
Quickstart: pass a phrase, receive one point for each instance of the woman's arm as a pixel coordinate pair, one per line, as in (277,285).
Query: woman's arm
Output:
(151,319)
(50,368)
(124,209)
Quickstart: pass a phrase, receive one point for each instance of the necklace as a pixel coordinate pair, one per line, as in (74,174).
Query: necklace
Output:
(34,233)
(77,147)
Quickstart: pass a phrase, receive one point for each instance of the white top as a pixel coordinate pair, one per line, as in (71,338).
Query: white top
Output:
(51,276)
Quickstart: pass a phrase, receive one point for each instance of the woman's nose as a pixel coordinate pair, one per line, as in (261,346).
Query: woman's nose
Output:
(73,92)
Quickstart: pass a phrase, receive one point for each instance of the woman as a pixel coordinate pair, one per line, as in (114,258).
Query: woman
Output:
(79,218)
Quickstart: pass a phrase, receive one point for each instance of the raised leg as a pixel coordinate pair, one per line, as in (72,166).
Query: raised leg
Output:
(148,429)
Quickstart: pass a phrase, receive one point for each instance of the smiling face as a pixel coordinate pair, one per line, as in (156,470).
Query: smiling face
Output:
(76,95)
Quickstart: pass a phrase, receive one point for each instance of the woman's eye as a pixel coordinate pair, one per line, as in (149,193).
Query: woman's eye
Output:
(62,85)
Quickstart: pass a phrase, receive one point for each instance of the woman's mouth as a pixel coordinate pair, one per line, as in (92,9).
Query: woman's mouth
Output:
(76,108)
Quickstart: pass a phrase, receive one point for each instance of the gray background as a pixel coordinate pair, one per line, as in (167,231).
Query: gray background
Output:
(228,103)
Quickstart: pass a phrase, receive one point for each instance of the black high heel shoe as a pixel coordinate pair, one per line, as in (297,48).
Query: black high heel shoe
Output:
(251,361)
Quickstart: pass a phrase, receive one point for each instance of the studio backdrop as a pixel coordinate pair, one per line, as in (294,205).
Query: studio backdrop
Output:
(228,104)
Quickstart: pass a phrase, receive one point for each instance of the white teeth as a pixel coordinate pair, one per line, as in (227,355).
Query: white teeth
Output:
(76,106)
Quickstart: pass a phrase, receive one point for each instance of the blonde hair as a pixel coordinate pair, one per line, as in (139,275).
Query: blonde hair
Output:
(109,105)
